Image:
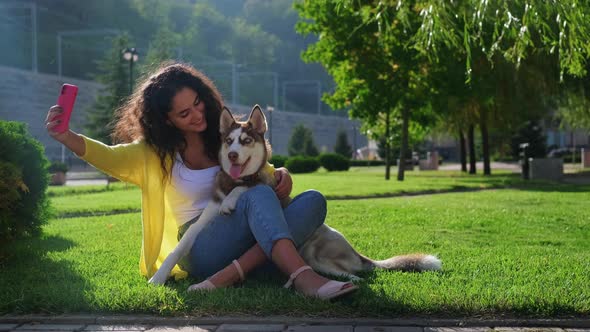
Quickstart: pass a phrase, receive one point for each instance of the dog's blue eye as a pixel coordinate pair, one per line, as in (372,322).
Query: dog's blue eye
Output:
(247,140)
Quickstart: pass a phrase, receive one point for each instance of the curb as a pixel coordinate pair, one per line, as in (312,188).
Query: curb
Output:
(218,320)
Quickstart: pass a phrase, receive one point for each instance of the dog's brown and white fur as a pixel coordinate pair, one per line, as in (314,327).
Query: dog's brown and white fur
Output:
(243,155)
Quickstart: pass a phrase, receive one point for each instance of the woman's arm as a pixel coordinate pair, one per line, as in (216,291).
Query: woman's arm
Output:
(121,161)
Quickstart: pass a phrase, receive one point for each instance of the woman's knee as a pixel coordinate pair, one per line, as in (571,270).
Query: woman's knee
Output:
(306,213)
(317,197)
(258,192)
(315,201)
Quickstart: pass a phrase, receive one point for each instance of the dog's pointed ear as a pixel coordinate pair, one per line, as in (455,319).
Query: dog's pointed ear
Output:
(226,121)
(257,120)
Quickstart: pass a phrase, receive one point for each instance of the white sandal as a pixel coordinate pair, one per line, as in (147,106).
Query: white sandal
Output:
(207,285)
(330,290)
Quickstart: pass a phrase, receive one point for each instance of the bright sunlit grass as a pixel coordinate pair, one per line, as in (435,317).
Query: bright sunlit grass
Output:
(523,251)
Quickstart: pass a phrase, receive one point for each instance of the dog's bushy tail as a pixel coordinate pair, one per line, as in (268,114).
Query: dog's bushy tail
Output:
(410,263)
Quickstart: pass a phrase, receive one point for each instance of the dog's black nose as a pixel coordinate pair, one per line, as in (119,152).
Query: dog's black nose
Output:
(233,156)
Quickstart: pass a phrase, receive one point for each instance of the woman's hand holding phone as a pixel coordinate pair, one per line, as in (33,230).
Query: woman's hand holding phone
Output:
(54,121)
(58,120)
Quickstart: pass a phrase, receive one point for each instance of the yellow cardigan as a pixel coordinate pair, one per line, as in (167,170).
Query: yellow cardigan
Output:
(138,163)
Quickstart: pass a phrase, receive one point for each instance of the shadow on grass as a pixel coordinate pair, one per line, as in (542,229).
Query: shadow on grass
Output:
(32,282)
(553,186)
(402,193)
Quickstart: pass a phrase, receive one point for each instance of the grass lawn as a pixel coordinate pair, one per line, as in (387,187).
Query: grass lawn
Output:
(517,249)
(365,182)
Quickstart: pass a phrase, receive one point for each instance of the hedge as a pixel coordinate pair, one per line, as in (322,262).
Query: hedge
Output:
(301,164)
(278,161)
(24,180)
(334,162)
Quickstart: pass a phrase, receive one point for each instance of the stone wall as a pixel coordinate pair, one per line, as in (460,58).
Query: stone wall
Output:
(26,97)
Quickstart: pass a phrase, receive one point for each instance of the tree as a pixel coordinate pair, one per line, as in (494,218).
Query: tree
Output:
(162,47)
(484,35)
(378,78)
(301,142)
(211,35)
(342,147)
(574,103)
(115,78)
(510,29)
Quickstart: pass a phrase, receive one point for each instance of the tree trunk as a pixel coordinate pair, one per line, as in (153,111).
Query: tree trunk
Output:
(462,151)
(387,147)
(483,127)
(471,142)
(404,147)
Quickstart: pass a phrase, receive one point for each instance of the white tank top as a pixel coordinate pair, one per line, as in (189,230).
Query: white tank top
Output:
(189,191)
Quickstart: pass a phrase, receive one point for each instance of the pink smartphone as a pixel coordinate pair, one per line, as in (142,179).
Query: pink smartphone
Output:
(66,100)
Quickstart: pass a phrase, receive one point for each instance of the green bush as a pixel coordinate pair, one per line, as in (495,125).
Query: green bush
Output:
(365,163)
(24,175)
(57,166)
(334,162)
(278,160)
(301,164)
(12,188)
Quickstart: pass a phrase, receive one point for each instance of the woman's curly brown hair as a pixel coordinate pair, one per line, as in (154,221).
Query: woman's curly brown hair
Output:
(144,115)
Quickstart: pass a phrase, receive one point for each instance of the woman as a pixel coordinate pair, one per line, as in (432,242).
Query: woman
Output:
(170,131)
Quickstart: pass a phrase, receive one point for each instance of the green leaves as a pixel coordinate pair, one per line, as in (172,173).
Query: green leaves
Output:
(513,29)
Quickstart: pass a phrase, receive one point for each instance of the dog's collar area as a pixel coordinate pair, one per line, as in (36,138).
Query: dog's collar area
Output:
(249,178)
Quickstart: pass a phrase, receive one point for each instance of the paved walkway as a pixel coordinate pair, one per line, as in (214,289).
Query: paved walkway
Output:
(279,323)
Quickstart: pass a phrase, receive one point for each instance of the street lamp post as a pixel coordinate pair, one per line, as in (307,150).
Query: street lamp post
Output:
(270,109)
(131,55)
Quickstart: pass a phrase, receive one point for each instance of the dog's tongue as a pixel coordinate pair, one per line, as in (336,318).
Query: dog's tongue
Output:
(235,171)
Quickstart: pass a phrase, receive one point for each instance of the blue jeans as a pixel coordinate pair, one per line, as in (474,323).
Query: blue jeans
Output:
(258,218)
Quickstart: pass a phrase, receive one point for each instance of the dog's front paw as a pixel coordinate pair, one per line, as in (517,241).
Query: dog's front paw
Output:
(227,206)
(354,278)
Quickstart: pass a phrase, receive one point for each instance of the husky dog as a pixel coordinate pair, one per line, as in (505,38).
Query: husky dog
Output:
(243,155)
